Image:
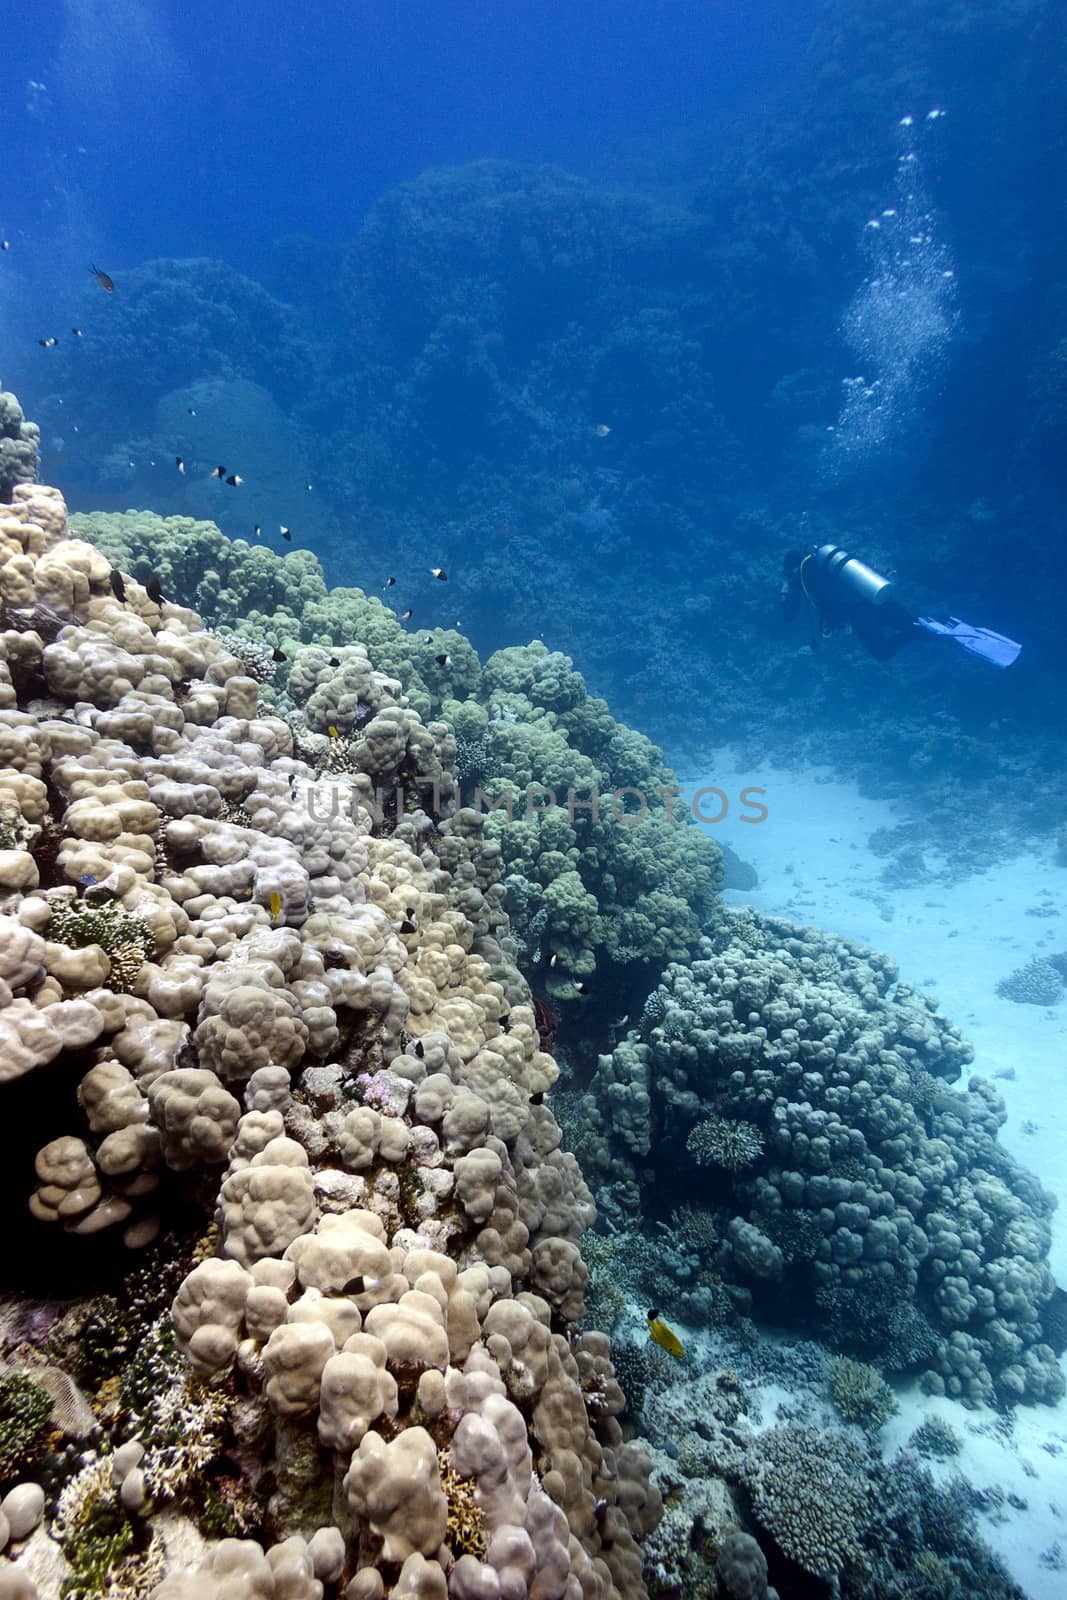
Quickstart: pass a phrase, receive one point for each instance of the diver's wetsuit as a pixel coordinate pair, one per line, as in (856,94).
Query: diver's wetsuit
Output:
(881,629)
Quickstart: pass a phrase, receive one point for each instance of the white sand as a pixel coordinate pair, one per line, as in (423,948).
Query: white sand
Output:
(956,942)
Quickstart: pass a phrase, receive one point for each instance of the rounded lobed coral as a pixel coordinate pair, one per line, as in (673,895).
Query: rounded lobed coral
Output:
(20,442)
(854,1179)
(292,1007)
(600,868)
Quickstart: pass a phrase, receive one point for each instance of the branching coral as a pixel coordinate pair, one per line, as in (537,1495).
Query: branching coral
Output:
(861,1394)
(810,1492)
(725,1143)
(126,939)
(24,1413)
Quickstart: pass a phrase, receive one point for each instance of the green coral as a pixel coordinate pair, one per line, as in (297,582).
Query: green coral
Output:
(723,1142)
(861,1394)
(227,581)
(107,1553)
(125,938)
(24,1412)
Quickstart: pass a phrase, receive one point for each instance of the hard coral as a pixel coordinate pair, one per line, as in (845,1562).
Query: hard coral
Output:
(725,1142)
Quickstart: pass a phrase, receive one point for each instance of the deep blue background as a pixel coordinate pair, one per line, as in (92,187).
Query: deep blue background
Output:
(184,127)
(435,348)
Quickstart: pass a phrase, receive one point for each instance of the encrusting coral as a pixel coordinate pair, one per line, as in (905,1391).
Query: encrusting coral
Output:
(259,989)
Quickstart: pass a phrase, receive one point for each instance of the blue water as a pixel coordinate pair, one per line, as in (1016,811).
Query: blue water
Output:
(603,308)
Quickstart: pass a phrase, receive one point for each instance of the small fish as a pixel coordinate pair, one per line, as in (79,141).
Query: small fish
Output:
(286,533)
(538,1099)
(275,904)
(106,282)
(439,573)
(154,589)
(354,1285)
(420,1049)
(308,487)
(335,661)
(191,410)
(278,655)
(235,480)
(217,472)
(665,1337)
(292,783)
(87,880)
(77,332)
(553,958)
(623,1020)
(180,464)
(389,582)
(5,244)
(581,988)
(257,530)
(118,588)
(49,343)
(602,430)
(408,927)
(443,661)
(406,616)
(332,731)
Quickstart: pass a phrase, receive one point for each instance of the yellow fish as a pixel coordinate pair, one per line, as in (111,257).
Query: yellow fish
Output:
(332,731)
(664,1336)
(275,904)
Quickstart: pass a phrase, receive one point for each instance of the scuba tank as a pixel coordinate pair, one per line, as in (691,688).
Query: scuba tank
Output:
(853,575)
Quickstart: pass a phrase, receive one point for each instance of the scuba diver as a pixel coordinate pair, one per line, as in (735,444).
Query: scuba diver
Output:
(841,591)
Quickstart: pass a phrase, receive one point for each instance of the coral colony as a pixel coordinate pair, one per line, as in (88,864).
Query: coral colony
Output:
(284,1072)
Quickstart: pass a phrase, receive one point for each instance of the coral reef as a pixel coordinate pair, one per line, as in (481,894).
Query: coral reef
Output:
(1038,983)
(250,1000)
(875,1201)
(861,1394)
(600,869)
(19,445)
(819,1505)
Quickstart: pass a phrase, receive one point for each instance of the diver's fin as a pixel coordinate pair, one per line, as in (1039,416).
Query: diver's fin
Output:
(982,642)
